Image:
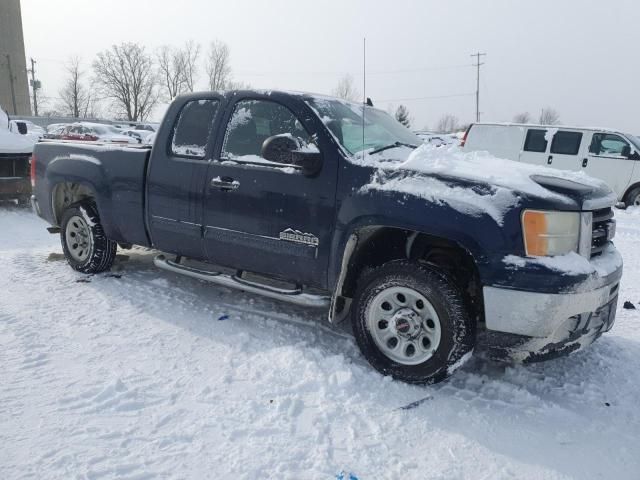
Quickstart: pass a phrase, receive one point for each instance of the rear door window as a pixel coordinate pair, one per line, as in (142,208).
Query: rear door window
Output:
(566,143)
(536,141)
(193,127)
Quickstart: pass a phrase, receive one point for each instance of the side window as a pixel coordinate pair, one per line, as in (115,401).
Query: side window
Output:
(252,122)
(536,141)
(566,143)
(607,144)
(192,128)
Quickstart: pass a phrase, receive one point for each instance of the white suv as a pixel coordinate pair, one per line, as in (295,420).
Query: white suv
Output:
(609,155)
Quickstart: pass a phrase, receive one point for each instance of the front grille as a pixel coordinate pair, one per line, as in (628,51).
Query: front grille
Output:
(603,228)
(14,165)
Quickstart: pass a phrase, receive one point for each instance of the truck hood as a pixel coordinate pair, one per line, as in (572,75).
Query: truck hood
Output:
(478,183)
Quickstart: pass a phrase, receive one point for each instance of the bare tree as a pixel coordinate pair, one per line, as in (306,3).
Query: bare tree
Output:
(190,55)
(402,115)
(126,75)
(74,94)
(170,69)
(549,116)
(177,68)
(218,65)
(524,117)
(346,89)
(448,123)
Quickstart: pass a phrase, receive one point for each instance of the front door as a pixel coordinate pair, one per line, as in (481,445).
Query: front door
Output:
(263,216)
(175,180)
(609,159)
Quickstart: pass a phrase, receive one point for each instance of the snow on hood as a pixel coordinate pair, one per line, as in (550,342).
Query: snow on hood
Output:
(505,179)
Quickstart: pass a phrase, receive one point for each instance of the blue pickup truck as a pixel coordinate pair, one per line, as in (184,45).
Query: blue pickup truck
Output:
(325,203)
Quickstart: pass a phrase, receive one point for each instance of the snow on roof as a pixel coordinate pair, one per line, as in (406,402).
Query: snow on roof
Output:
(557,127)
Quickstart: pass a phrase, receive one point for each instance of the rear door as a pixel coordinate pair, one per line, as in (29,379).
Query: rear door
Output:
(263,216)
(608,159)
(565,149)
(176,176)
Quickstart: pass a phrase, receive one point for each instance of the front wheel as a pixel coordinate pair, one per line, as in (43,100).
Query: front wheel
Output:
(410,322)
(84,243)
(632,198)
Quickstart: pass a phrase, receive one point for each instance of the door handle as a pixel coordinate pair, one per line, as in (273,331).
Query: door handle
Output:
(550,160)
(225,183)
(585,162)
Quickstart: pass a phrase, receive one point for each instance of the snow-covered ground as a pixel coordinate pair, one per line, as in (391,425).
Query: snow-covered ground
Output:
(143,374)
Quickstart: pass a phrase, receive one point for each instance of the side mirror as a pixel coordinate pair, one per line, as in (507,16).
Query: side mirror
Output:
(626,151)
(288,150)
(22,128)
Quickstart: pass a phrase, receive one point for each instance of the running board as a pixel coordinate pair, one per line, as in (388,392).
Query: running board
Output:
(295,296)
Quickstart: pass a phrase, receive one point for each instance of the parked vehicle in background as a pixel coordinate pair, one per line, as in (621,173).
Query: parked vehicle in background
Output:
(609,155)
(94,132)
(54,131)
(15,152)
(27,128)
(150,127)
(283,194)
(140,136)
(438,139)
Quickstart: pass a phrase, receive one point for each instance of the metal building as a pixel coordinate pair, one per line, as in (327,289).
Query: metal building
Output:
(14,86)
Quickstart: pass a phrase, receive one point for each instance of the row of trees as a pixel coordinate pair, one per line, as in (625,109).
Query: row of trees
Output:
(131,81)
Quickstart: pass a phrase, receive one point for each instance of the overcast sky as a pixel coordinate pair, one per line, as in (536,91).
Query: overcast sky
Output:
(580,57)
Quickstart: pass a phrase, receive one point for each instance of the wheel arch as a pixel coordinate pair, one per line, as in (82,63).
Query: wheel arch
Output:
(371,246)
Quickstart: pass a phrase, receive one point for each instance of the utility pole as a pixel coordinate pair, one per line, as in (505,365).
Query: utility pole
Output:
(35,84)
(13,90)
(477,65)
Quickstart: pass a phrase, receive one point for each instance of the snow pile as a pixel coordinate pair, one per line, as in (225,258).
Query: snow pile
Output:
(145,374)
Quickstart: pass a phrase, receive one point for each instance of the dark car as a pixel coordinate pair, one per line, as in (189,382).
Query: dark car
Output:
(320,202)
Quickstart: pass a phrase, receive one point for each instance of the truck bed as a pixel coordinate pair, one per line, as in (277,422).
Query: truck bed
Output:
(115,173)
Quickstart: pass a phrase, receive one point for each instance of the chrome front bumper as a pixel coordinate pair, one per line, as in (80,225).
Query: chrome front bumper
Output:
(529,325)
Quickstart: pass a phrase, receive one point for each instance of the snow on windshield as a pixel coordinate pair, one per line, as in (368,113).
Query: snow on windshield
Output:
(346,123)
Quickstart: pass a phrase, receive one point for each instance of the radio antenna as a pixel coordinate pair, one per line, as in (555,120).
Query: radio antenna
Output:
(364,85)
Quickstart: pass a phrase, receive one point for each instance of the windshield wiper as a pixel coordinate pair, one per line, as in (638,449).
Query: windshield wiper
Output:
(392,145)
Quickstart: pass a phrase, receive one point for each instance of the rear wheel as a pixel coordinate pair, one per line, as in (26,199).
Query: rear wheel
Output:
(85,246)
(410,322)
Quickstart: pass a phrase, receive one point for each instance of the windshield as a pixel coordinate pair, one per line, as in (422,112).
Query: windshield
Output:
(635,140)
(344,119)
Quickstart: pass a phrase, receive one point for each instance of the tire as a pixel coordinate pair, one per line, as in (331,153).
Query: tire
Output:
(94,253)
(632,197)
(437,352)
(24,201)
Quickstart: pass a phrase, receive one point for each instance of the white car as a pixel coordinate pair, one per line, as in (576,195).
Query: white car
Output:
(95,132)
(438,139)
(609,155)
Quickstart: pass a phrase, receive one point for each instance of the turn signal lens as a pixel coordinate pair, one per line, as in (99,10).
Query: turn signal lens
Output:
(550,233)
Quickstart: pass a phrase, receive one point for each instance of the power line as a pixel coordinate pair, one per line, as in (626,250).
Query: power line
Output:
(433,97)
(477,65)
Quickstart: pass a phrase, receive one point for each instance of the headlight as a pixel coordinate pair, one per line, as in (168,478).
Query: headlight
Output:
(550,233)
